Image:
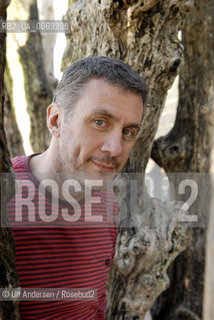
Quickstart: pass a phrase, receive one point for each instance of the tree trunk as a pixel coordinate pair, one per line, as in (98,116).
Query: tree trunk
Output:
(46,12)
(14,138)
(187,149)
(29,53)
(8,274)
(145,35)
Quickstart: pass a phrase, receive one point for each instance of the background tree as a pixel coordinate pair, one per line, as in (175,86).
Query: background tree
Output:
(187,149)
(38,82)
(8,274)
(14,138)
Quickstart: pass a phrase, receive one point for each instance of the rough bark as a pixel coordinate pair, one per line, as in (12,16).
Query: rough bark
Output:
(144,35)
(8,274)
(187,149)
(36,86)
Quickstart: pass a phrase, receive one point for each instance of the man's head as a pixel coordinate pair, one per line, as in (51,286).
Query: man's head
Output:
(95,115)
(113,71)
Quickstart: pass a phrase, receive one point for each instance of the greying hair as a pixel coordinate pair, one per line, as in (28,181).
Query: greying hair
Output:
(114,71)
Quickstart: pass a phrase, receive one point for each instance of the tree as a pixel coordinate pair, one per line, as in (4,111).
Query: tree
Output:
(145,35)
(14,138)
(38,83)
(187,149)
(8,274)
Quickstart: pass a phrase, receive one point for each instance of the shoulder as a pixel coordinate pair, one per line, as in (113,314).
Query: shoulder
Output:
(18,163)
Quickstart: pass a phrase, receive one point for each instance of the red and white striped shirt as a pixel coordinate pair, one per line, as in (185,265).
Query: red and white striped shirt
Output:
(69,255)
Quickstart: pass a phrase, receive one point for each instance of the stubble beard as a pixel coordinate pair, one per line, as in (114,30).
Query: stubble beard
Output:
(77,171)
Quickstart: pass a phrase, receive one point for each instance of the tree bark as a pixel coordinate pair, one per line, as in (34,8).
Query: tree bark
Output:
(187,149)
(46,12)
(37,92)
(144,34)
(8,274)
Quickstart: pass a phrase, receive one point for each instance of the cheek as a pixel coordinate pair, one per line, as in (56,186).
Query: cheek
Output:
(85,148)
(92,141)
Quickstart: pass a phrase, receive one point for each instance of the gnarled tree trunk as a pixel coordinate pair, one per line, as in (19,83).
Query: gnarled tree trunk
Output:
(145,35)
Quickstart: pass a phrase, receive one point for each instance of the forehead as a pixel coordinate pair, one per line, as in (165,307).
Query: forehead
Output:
(101,95)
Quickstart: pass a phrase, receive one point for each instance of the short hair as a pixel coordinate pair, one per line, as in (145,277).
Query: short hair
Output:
(114,71)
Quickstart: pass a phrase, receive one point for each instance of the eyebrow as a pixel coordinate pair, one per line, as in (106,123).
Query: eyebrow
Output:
(105,113)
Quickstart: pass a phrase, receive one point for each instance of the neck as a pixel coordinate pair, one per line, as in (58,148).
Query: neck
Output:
(45,164)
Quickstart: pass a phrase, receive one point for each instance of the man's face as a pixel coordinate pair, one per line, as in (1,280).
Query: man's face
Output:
(99,135)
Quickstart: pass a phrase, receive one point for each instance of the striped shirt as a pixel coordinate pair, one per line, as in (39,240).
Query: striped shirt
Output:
(61,254)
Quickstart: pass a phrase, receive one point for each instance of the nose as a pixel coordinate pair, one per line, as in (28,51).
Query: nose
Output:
(113,144)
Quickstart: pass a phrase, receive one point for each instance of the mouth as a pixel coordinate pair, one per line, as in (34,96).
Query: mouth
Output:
(103,168)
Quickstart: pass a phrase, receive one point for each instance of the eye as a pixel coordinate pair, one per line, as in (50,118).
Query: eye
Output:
(100,123)
(128,133)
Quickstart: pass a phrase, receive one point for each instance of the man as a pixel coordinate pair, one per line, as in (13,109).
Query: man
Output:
(93,121)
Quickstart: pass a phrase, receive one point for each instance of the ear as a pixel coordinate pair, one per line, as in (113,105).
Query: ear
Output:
(53,120)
